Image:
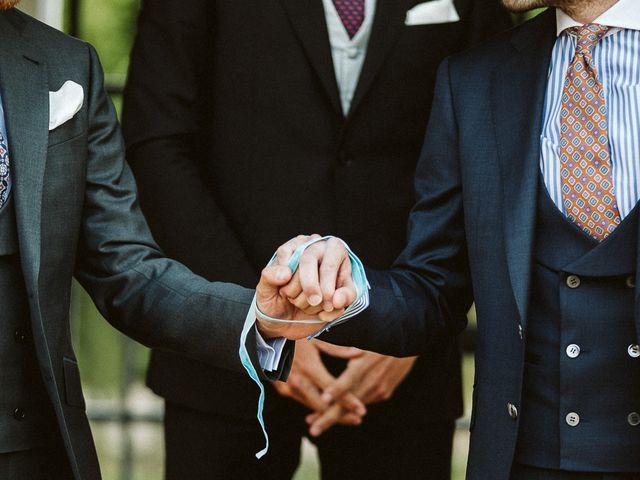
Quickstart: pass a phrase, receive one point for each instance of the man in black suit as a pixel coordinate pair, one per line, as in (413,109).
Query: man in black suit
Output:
(314,105)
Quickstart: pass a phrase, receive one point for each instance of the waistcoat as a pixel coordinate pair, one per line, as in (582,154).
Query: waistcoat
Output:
(581,388)
(21,389)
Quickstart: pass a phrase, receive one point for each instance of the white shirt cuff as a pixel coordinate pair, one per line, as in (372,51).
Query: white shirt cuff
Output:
(269,351)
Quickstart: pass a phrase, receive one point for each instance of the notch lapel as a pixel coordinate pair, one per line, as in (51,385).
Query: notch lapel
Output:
(25,99)
(518,91)
(308,20)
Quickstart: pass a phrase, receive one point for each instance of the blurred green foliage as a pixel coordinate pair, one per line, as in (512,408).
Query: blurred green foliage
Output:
(109,25)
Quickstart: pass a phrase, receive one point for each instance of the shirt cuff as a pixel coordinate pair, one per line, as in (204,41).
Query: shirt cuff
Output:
(269,351)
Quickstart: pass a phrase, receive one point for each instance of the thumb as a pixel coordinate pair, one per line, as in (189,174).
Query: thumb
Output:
(271,279)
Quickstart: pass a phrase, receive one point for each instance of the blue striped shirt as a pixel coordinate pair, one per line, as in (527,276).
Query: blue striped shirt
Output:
(617,61)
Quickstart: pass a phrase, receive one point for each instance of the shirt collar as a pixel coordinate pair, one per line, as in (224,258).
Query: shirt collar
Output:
(623,14)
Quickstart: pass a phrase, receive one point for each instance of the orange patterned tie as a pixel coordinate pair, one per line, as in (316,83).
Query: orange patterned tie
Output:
(587,187)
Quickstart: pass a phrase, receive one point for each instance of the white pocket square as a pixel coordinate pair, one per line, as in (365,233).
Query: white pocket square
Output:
(436,11)
(65,103)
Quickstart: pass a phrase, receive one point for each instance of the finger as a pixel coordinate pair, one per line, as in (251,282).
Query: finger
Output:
(285,251)
(338,351)
(299,301)
(312,417)
(305,390)
(343,384)
(325,421)
(330,316)
(308,270)
(351,403)
(293,288)
(271,279)
(282,388)
(346,292)
(350,419)
(334,256)
(319,374)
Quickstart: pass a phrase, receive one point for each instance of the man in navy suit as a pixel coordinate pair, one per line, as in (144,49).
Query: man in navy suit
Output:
(527,189)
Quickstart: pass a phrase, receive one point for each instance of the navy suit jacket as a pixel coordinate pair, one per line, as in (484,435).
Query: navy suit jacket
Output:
(471,232)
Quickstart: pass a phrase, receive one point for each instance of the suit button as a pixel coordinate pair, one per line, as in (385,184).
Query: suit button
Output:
(631,281)
(633,351)
(512,410)
(573,281)
(572,419)
(343,158)
(573,350)
(18,414)
(19,336)
(634,419)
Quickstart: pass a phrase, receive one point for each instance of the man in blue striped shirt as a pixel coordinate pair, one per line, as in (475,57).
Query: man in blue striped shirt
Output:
(527,188)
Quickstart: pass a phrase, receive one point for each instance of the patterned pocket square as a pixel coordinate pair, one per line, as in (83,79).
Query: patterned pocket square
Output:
(65,103)
(436,11)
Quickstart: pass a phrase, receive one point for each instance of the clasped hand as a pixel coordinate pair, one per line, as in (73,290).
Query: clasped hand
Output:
(322,287)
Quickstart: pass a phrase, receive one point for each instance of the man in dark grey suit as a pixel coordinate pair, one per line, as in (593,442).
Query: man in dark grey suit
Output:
(68,207)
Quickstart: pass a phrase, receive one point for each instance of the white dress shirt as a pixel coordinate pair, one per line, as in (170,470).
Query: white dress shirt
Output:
(348,53)
(617,61)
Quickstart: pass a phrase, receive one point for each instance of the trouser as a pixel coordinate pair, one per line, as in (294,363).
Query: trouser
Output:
(525,472)
(208,447)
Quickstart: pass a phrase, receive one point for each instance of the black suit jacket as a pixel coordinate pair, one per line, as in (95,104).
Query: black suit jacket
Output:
(237,139)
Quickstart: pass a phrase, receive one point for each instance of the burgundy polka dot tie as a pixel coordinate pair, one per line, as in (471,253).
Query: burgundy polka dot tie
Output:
(351,12)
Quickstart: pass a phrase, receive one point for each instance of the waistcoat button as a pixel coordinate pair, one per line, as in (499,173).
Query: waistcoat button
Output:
(513,411)
(634,419)
(572,419)
(633,351)
(18,414)
(19,335)
(573,350)
(573,281)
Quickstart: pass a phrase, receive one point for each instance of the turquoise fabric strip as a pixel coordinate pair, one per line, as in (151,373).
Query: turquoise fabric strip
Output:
(361,303)
(249,323)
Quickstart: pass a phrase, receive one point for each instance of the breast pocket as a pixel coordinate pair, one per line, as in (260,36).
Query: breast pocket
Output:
(69,130)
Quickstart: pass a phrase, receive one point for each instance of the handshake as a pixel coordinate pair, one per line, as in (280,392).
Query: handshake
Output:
(319,292)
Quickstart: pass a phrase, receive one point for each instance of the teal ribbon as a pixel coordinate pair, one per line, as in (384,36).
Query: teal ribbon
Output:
(361,303)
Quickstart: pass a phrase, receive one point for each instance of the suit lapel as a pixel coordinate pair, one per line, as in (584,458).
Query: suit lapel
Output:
(308,20)
(518,90)
(387,25)
(25,98)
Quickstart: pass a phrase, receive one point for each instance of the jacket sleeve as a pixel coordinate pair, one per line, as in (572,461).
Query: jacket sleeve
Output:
(155,300)
(428,290)
(165,123)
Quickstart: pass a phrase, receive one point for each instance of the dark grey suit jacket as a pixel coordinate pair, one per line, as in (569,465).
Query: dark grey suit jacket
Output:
(77,214)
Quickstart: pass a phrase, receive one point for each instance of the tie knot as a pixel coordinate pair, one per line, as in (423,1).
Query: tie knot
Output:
(588,35)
